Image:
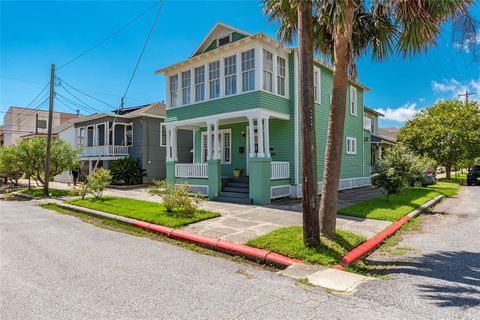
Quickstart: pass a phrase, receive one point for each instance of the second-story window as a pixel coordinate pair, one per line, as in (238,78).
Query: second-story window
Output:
(81,136)
(231,75)
(174,90)
(186,84)
(200,83)
(248,70)
(281,75)
(353,100)
(267,71)
(214,79)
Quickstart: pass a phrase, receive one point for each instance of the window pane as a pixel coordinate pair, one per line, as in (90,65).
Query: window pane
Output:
(174,90)
(248,70)
(214,77)
(230,75)
(186,83)
(200,83)
(281,74)
(267,71)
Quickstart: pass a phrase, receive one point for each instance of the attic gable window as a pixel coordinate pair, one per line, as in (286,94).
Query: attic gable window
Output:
(224,40)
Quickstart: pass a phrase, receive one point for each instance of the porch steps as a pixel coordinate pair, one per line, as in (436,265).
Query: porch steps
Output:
(235,191)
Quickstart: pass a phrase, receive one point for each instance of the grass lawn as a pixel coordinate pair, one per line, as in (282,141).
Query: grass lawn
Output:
(38,192)
(289,241)
(400,204)
(152,212)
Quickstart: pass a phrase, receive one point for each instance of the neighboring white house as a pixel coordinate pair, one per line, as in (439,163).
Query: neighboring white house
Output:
(65,131)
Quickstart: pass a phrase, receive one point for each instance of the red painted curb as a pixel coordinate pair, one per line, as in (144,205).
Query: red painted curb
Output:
(259,255)
(373,242)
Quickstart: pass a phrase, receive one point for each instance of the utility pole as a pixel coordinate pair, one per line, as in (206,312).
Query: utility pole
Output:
(36,123)
(49,135)
(466,94)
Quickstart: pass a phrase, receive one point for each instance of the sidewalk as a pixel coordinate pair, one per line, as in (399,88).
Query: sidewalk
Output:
(241,223)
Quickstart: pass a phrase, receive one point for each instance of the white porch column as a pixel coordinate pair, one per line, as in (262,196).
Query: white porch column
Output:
(169,144)
(216,143)
(379,152)
(261,152)
(209,141)
(174,144)
(267,136)
(251,137)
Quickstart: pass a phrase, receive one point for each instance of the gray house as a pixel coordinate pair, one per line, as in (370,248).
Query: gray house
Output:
(138,132)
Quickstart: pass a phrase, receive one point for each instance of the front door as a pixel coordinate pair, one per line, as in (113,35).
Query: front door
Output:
(247,147)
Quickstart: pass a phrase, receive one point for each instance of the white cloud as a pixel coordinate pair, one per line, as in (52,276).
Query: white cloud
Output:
(451,88)
(400,114)
(467,43)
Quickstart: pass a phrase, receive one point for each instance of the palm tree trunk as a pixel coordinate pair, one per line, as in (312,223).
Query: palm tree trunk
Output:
(311,225)
(336,122)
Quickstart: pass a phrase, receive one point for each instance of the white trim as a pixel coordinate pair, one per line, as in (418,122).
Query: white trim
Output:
(163,143)
(281,195)
(354,99)
(318,89)
(200,186)
(295,117)
(221,134)
(345,184)
(351,146)
(230,39)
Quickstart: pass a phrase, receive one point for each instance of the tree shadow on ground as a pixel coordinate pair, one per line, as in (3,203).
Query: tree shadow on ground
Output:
(458,272)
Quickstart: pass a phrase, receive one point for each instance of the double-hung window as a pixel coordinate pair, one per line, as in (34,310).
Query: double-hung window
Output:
(163,135)
(248,70)
(200,83)
(225,146)
(174,90)
(230,75)
(281,75)
(316,84)
(353,100)
(351,145)
(226,143)
(186,84)
(81,136)
(214,79)
(267,71)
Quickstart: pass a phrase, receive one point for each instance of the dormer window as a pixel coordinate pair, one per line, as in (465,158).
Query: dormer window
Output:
(224,40)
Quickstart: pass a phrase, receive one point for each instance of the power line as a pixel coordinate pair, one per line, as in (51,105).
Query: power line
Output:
(82,92)
(65,99)
(22,80)
(141,53)
(81,101)
(109,36)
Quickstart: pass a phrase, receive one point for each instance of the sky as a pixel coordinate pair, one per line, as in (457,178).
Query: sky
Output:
(35,34)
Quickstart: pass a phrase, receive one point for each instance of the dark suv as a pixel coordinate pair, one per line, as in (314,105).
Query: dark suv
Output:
(473,176)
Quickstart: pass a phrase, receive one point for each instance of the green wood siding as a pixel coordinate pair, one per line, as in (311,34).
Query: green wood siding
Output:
(243,101)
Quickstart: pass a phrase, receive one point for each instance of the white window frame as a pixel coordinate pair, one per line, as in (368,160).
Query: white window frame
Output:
(248,72)
(105,132)
(268,71)
(281,78)
(162,128)
(86,135)
(186,89)
(230,39)
(173,91)
(199,84)
(317,78)
(232,75)
(214,81)
(353,101)
(351,145)
(81,139)
(221,132)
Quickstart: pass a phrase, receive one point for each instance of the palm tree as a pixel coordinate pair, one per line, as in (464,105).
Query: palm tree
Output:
(345,30)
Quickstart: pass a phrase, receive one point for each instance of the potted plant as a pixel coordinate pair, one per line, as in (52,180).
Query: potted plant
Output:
(236,173)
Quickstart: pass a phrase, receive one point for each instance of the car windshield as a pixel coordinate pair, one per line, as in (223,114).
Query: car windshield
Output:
(476,168)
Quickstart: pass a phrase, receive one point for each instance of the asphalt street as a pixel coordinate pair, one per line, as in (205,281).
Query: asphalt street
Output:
(56,266)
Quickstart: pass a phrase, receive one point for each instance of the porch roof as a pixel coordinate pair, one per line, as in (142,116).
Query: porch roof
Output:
(228,117)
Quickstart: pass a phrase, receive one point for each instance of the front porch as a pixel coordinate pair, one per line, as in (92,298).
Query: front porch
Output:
(235,157)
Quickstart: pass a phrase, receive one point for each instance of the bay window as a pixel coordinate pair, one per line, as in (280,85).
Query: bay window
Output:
(281,75)
(214,79)
(200,83)
(231,75)
(248,70)
(267,71)
(186,83)
(174,90)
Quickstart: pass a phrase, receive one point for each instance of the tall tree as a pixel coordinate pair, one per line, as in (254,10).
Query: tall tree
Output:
(344,30)
(447,132)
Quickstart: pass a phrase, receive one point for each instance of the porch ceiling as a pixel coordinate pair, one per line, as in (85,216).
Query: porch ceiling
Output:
(228,118)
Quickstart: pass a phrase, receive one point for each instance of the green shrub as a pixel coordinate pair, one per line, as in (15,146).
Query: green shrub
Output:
(177,199)
(98,181)
(396,170)
(127,170)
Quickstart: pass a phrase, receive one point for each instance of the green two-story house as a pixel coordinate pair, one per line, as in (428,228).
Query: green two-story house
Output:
(238,93)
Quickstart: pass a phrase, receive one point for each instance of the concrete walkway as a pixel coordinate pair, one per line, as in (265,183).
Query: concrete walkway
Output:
(241,223)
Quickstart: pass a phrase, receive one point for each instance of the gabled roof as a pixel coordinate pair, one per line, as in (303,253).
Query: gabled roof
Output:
(374,111)
(219,30)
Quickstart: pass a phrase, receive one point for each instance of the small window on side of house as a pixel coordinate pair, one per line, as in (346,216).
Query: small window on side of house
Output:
(353,100)
(42,124)
(351,145)
(224,40)
(163,135)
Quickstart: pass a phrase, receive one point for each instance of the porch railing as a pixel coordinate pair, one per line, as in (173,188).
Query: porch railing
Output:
(105,151)
(367,123)
(191,170)
(280,170)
